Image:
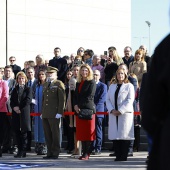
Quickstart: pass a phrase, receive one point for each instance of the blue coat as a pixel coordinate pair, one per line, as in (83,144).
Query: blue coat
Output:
(38,127)
(100,97)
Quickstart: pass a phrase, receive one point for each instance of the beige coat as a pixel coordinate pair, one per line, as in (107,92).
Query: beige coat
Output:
(138,68)
(72,86)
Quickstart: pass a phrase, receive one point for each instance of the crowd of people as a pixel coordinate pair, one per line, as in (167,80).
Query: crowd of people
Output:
(81,81)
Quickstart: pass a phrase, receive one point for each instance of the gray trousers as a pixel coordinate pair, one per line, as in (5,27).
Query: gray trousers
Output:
(52,135)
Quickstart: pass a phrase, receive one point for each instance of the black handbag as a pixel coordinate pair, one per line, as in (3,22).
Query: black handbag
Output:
(86,114)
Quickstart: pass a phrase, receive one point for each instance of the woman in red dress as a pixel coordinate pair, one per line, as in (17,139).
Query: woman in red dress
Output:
(84,99)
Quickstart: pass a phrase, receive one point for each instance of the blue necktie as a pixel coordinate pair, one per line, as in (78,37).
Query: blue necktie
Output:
(30,83)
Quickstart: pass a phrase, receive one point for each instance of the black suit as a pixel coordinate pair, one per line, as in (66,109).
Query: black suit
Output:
(156,106)
(61,65)
(15,69)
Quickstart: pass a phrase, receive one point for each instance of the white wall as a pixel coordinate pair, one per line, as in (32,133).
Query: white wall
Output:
(38,26)
(2,33)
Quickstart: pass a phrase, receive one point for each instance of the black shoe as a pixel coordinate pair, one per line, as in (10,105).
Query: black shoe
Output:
(69,152)
(112,154)
(20,155)
(50,157)
(130,154)
(47,157)
(96,153)
(120,159)
(54,157)
(13,150)
(41,153)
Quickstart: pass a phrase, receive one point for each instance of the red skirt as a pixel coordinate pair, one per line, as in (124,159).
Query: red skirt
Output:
(85,129)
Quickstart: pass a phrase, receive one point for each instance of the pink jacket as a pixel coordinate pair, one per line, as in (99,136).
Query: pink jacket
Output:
(3,95)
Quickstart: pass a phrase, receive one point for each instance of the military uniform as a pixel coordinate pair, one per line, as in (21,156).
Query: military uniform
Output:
(53,103)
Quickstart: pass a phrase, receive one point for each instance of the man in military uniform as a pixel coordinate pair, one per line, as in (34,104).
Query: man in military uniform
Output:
(52,110)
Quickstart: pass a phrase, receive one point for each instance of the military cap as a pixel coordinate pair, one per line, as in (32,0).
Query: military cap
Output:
(51,69)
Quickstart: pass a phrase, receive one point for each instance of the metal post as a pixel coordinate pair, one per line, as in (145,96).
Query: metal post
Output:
(6,32)
(149,24)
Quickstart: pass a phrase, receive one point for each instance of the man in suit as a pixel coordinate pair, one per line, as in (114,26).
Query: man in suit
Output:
(128,58)
(99,100)
(8,142)
(52,110)
(15,67)
(59,63)
(32,82)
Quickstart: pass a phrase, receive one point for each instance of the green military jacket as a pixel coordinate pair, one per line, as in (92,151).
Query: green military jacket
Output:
(53,99)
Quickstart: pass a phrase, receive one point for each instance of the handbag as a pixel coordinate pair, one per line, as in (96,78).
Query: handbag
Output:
(85,114)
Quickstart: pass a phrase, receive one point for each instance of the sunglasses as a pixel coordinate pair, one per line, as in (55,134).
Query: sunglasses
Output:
(81,51)
(12,60)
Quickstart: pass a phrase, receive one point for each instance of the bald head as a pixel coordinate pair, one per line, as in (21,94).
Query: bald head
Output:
(144,48)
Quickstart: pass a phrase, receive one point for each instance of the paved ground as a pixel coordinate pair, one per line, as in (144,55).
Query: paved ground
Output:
(102,162)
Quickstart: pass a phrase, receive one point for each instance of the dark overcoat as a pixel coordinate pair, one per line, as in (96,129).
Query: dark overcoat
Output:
(21,121)
(156,106)
(61,65)
(85,99)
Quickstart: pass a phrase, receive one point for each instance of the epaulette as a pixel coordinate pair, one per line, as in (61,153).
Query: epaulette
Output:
(60,84)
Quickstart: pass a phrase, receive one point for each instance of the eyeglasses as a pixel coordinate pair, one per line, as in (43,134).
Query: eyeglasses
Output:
(12,60)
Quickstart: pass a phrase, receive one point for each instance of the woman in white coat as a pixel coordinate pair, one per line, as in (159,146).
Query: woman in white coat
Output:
(119,103)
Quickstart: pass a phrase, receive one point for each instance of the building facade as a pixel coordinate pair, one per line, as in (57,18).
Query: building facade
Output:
(31,27)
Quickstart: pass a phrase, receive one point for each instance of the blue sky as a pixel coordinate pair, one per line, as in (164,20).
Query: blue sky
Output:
(157,13)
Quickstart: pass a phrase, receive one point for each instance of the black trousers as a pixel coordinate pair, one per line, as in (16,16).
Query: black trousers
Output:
(29,135)
(9,135)
(121,149)
(3,118)
(86,145)
(21,137)
(137,138)
(69,133)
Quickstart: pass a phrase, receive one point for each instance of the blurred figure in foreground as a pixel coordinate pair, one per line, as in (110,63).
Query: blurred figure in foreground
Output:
(156,107)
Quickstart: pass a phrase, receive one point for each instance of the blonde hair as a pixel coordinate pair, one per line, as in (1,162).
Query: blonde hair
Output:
(117,58)
(90,75)
(114,79)
(139,51)
(21,73)
(41,57)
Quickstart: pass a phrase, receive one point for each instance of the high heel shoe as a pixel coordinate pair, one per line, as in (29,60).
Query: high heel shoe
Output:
(84,157)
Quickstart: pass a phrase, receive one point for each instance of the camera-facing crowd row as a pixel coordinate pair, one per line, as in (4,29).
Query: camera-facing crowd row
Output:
(84,83)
